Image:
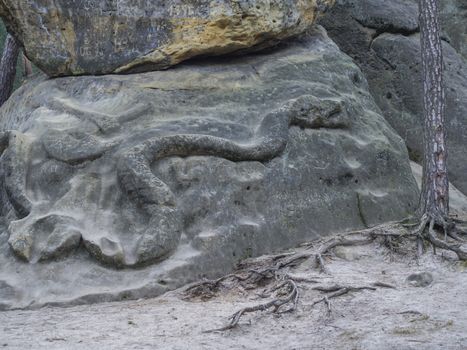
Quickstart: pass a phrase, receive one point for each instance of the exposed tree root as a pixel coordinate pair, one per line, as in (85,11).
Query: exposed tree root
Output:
(274,268)
(335,242)
(455,236)
(383,285)
(276,304)
(292,299)
(207,289)
(456,248)
(426,231)
(299,279)
(337,291)
(250,278)
(367,236)
(328,305)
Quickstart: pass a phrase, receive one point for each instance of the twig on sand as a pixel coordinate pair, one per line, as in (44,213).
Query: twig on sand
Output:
(337,291)
(383,285)
(292,299)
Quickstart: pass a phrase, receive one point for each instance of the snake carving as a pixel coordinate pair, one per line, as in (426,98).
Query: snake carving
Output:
(162,233)
(271,137)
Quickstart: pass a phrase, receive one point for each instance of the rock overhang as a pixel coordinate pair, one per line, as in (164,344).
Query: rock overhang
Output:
(64,37)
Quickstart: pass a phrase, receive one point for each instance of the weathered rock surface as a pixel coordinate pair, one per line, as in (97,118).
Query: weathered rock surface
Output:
(126,186)
(453,16)
(384,42)
(20,66)
(66,37)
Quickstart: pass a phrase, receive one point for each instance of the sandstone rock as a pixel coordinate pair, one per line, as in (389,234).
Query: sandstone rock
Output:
(422,279)
(171,176)
(396,16)
(453,16)
(66,37)
(387,49)
(401,97)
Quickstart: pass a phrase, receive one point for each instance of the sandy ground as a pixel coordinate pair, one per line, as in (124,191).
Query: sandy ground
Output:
(408,317)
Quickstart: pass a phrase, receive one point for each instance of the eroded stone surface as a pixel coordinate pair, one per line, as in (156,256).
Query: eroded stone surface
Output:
(170,176)
(385,43)
(453,16)
(68,37)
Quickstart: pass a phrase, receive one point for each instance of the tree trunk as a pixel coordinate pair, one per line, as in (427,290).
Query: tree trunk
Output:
(27,66)
(435,186)
(8,67)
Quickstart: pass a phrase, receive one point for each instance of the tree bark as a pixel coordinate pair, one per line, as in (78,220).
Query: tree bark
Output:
(8,67)
(434,200)
(27,66)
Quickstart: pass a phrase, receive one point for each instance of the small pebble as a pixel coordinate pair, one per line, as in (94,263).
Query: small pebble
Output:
(422,279)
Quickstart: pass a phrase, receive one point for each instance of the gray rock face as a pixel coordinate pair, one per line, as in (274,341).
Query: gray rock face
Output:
(127,186)
(72,37)
(387,49)
(402,98)
(453,17)
(399,15)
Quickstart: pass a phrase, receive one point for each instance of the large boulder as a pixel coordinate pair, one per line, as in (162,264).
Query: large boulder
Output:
(125,186)
(384,41)
(68,37)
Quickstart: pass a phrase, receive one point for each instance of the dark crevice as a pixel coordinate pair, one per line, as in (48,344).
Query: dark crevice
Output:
(387,62)
(255,70)
(388,29)
(360,211)
(401,32)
